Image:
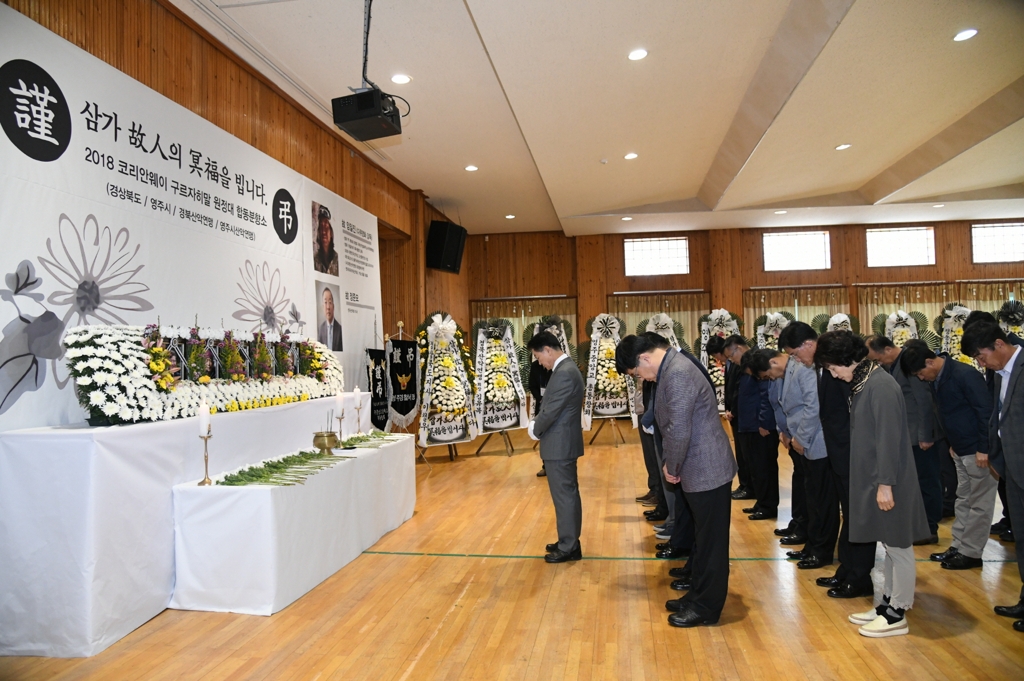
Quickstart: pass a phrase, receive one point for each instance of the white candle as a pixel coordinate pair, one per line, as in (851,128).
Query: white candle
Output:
(204,419)
(339,406)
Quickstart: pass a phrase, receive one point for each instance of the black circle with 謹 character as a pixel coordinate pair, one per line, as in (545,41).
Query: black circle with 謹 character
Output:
(286,217)
(33,111)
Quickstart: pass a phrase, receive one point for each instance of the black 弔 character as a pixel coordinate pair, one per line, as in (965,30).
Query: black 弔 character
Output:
(286,218)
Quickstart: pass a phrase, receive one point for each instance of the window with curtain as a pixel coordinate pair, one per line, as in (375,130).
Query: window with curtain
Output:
(998,243)
(989,295)
(796,251)
(685,308)
(803,303)
(901,246)
(524,311)
(928,299)
(645,257)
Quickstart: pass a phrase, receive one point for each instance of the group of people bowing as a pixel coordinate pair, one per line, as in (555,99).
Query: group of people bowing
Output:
(870,428)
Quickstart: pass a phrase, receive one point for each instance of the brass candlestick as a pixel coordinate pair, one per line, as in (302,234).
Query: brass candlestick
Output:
(206,459)
(359,416)
(341,429)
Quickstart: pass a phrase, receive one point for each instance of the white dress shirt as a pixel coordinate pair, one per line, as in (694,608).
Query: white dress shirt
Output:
(1005,374)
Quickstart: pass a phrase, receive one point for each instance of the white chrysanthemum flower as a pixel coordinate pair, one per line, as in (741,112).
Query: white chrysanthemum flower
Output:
(110,409)
(84,380)
(97,398)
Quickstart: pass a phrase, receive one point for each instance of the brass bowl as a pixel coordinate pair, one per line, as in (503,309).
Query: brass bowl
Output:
(325,441)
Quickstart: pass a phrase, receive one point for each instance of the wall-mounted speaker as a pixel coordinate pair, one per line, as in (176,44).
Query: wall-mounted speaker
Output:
(445,242)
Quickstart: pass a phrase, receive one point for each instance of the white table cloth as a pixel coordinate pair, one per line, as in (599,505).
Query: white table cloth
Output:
(87,522)
(256,549)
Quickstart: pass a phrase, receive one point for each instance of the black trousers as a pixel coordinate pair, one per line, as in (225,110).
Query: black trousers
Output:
(650,461)
(742,458)
(855,560)
(929,479)
(822,509)
(763,457)
(712,511)
(683,531)
(798,523)
(1005,502)
(1015,508)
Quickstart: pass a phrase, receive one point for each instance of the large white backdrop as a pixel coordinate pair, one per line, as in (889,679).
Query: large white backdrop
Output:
(120,206)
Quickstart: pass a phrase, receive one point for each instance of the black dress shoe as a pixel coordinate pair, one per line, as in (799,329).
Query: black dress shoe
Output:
(812,563)
(551,547)
(943,555)
(1017,626)
(1016,611)
(796,555)
(743,493)
(688,618)
(1007,536)
(655,516)
(828,582)
(681,585)
(850,591)
(783,531)
(749,509)
(793,540)
(961,562)
(662,546)
(681,573)
(762,515)
(558,556)
(1000,527)
(671,554)
(542,473)
(675,605)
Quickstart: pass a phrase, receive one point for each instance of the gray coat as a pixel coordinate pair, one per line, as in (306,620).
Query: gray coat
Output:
(917,395)
(881,454)
(695,446)
(1007,450)
(559,424)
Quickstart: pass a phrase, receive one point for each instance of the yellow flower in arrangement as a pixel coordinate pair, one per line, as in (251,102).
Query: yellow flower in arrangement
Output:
(447,363)
(613,375)
(442,344)
(213,410)
(500,381)
(203,380)
(499,360)
(609,353)
(449,382)
(157,366)
(958,332)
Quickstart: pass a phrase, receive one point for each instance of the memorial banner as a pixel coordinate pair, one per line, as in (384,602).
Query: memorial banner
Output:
(122,207)
(403,382)
(500,398)
(376,376)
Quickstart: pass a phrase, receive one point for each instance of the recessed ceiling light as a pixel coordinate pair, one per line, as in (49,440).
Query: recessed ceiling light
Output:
(780,212)
(630,156)
(965,34)
(626,219)
(471,168)
(400,78)
(510,217)
(843,146)
(637,55)
(939,205)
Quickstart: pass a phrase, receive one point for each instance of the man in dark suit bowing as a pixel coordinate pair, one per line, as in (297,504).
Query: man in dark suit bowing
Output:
(558,426)
(994,350)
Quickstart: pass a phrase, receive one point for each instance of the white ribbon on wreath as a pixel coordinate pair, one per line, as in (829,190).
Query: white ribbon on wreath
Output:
(774,323)
(605,326)
(663,325)
(839,322)
(900,327)
(952,322)
(558,331)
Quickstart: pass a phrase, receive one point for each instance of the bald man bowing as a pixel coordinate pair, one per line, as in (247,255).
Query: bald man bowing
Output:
(698,457)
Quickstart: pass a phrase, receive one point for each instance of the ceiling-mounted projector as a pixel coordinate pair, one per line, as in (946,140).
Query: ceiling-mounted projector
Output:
(367,115)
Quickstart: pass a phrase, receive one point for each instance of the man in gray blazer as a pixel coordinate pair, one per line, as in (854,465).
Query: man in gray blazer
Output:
(697,455)
(559,427)
(988,344)
(929,443)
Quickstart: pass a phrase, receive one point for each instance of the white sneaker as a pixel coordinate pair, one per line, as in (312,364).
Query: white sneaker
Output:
(880,628)
(865,617)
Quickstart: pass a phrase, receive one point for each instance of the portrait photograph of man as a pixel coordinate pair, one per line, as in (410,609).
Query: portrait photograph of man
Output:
(325,257)
(328,326)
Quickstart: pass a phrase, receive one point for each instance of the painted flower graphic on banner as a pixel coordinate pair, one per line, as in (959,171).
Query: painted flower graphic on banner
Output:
(94,268)
(263,302)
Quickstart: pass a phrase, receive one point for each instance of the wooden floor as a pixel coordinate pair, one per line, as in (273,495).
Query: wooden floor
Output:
(460,592)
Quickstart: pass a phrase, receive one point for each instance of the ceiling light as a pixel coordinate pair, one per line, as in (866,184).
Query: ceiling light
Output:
(626,219)
(471,168)
(630,156)
(400,78)
(939,205)
(780,212)
(963,35)
(637,55)
(843,146)
(510,217)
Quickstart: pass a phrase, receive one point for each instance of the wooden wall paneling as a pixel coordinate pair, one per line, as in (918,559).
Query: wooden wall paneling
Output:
(521,265)
(725,256)
(591,274)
